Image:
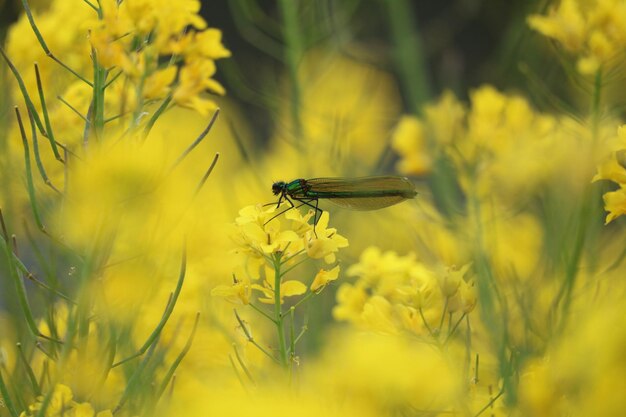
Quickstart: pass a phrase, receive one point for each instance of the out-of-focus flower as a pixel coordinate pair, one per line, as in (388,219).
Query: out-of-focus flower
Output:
(62,404)
(394,293)
(386,373)
(350,302)
(594,31)
(581,373)
(409,141)
(343,131)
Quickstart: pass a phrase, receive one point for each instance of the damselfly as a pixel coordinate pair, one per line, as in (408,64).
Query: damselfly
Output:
(363,193)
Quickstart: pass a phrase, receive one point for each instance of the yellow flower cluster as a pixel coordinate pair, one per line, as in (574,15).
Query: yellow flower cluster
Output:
(499,144)
(262,234)
(162,47)
(397,293)
(593,31)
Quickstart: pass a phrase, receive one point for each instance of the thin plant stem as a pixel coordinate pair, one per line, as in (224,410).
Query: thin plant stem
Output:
(430,331)
(99,81)
(166,314)
(490,403)
(262,312)
(46,287)
(303,299)
(29,371)
(42,170)
(243,365)
(44,46)
(250,338)
(278,316)
(6,397)
(443,314)
(156,115)
(22,87)
(237,373)
(408,53)
(294,51)
(29,173)
(456,325)
(46,117)
(135,378)
(72,108)
(170,372)
(206,175)
(198,140)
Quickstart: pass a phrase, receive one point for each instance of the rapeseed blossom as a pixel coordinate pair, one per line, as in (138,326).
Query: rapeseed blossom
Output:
(486,295)
(593,31)
(396,293)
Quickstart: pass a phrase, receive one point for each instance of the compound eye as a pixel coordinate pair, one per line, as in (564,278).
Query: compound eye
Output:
(277,188)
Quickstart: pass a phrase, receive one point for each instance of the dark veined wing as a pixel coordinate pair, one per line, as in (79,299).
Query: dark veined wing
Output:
(362,193)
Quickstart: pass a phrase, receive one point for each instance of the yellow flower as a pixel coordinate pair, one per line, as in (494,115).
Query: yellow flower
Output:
(157,85)
(325,242)
(452,279)
(323,277)
(464,300)
(395,293)
(287,288)
(238,293)
(594,31)
(194,79)
(350,302)
(164,30)
(378,315)
(615,204)
(409,141)
(259,234)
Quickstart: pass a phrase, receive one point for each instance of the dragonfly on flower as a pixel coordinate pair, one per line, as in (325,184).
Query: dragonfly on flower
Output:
(362,193)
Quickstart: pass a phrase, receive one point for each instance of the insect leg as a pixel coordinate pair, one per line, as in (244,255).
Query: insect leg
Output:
(284,211)
(315,207)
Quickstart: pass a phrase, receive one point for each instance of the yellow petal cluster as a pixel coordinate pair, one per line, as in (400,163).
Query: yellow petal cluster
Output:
(593,31)
(397,293)
(161,28)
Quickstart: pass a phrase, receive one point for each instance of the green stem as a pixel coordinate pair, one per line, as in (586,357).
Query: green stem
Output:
(170,372)
(585,214)
(99,81)
(278,316)
(43,44)
(29,173)
(46,117)
(262,312)
(169,308)
(294,50)
(408,52)
(38,161)
(4,392)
